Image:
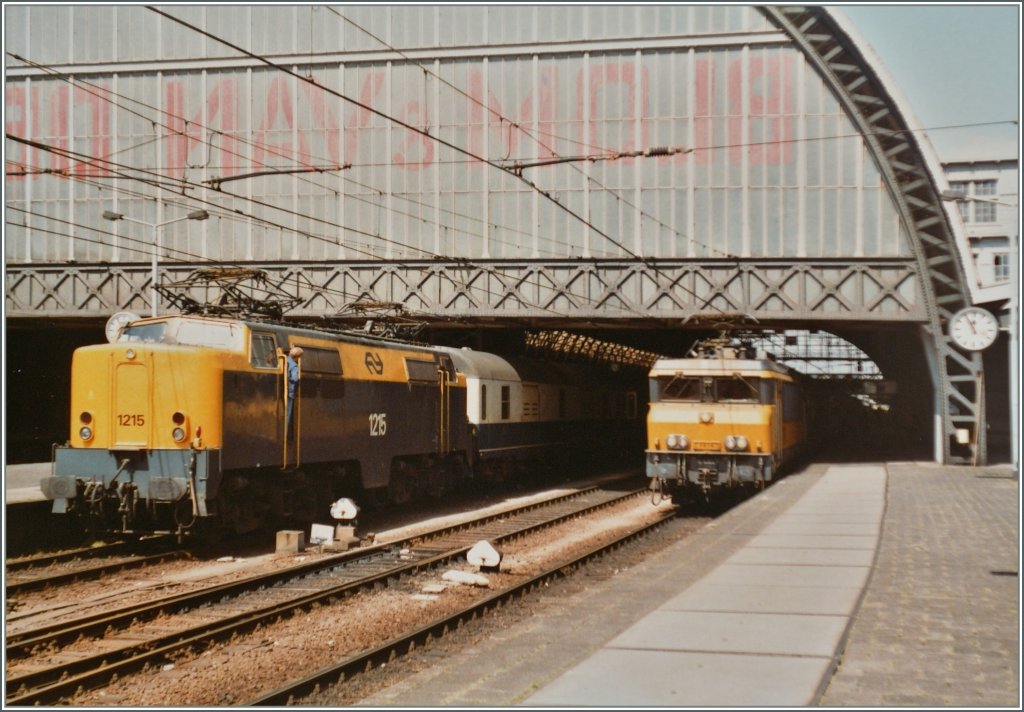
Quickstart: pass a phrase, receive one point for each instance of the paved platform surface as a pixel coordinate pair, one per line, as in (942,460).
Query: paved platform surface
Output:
(21,482)
(844,585)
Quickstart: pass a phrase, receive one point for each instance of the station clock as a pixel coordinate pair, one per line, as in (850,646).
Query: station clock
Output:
(973,328)
(117,322)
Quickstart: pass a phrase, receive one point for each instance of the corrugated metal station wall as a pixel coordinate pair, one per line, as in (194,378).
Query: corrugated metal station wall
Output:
(119,98)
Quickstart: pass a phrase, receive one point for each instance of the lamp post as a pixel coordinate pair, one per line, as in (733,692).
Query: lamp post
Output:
(1013,307)
(194,215)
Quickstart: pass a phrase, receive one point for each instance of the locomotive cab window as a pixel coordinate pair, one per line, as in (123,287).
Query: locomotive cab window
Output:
(145,333)
(186,332)
(210,334)
(680,388)
(263,351)
(708,389)
(738,390)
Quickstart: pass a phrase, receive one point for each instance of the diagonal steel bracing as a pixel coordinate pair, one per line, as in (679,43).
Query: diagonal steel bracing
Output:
(870,290)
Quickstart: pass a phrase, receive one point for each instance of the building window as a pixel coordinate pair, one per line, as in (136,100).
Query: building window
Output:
(984,187)
(965,188)
(1001,266)
(984,212)
(976,211)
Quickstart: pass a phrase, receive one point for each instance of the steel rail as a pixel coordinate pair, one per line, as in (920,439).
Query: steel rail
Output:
(58,682)
(404,644)
(20,644)
(42,560)
(91,572)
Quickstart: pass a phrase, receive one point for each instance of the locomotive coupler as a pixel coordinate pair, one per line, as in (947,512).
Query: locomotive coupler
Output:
(93,494)
(192,464)
(706,476)
(128,499)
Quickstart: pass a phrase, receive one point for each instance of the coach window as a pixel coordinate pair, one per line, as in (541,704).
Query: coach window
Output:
(483,402)
(506,402)
(321,361)
(263,353)
(421,372)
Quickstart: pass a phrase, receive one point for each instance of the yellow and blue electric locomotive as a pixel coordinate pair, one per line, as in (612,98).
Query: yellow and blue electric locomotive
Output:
(183,419)
(723,417)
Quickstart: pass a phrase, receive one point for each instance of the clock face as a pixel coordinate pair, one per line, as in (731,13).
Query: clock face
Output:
(973,328)
(116,323)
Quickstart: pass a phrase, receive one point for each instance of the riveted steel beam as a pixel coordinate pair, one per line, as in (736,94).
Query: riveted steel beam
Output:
(871,290)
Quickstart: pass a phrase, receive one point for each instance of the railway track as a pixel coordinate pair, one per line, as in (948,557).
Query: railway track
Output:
(220,612)
(38,572)
(292,693)
(37,561)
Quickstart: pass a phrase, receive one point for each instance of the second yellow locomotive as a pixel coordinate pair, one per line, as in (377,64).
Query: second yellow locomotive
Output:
(723,417)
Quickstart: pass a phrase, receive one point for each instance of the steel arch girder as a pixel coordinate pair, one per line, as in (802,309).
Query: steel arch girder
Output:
(901,162)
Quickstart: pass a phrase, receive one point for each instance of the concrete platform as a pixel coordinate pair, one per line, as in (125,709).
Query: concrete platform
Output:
(687,650)
(21,482)
(879,585)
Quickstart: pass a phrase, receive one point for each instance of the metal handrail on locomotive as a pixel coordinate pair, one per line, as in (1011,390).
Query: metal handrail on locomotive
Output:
(183,419)
(725,416)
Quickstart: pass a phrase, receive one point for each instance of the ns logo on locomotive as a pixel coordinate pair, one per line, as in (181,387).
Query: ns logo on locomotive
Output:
(181,422)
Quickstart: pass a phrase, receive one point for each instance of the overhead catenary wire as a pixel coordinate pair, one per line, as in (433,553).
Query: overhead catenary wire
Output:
(497,273)
(104,94)
(396,121)
(493,271)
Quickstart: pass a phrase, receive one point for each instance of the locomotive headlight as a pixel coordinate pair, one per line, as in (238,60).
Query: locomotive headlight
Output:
(180,432)
(677,442)
(130,354)
(736,443)
(85,432)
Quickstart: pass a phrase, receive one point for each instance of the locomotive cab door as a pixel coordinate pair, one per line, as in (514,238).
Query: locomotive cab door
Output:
(446,379)
(778,416)
(292,417)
